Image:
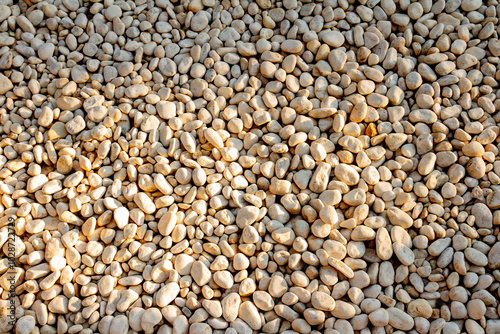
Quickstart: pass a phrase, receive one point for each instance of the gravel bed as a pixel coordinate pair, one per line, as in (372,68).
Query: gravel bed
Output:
(239,167)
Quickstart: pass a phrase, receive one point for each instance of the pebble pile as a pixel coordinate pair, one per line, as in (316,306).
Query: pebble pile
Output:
(239,167)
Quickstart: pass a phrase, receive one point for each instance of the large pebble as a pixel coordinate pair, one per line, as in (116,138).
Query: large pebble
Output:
(399,319)
(167,294)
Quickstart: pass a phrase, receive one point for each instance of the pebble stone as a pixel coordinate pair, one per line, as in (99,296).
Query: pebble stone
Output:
(249,166)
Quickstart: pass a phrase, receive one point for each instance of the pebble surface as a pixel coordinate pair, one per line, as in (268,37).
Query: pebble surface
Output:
(243,166)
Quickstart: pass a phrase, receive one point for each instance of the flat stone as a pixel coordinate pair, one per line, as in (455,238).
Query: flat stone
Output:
(59,305)
(150,318)
(167,294)
(36,183)
(494,256)
(292,46)
(200,273)
(483,215)
(404,254)
(5,12)
(167,223)
(471,5)
(144,203)
(334,38)
(119,325)
(121,216)
(199,21)
(25,325)
(57,131)
(167,67)
(399,218)
(320,178)
(68,103)
(383,244)
(250,314)
(476,257)
(322,301)
(76,125)
(346,174)
(247,216)
(230,306)
(420,308)
(106,285)
(72,5)
(5,84)
(399,319)
(343,310)
(263,300)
